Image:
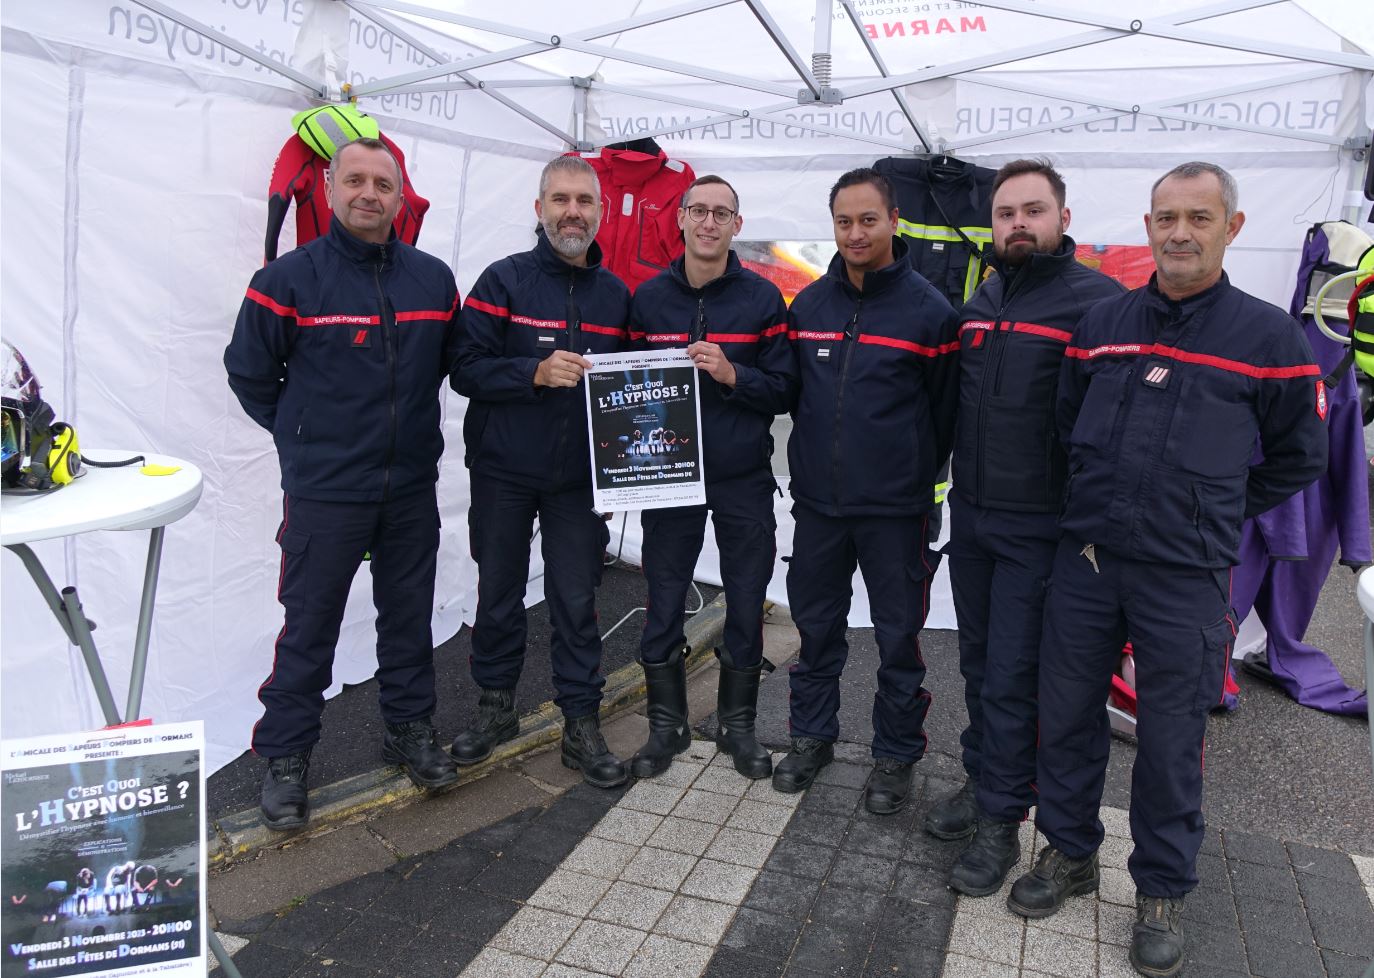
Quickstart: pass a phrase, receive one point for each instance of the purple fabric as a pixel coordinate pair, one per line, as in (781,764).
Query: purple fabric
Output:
(1333,512)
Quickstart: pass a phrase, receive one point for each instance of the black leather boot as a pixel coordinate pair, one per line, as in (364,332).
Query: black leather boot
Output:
(737,699)
(954,817)
(585,750)
(413,746)
(496,723)
(803,762)
(1054,879)
(285,804)
(669,734)
(1157,937)
(889,786)
(984,864)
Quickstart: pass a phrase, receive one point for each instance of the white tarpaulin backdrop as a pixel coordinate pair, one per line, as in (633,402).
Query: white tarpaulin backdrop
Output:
(139,137)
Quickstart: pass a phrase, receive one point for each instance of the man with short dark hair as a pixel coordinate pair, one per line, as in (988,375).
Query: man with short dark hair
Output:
(733,323)
(353,325)
(1162,396)
(877,354)
(523,333)
(1009,471)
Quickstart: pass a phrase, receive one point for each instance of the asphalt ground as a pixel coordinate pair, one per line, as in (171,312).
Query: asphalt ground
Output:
(350,743)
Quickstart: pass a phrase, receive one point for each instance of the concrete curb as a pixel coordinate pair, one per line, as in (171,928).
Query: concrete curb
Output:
(243,833)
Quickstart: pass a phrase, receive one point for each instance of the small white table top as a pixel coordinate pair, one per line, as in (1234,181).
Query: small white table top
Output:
(102,499)
(1366,591)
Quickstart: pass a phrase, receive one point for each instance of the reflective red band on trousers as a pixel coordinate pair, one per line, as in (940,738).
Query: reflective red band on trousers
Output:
(1204,359)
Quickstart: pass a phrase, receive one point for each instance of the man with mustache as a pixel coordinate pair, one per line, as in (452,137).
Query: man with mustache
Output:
(340,350)
(1009,472)
(733,324)
(878,360)
(1162,395)
(523,333)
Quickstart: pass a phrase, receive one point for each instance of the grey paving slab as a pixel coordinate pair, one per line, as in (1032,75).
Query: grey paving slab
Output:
(699,921)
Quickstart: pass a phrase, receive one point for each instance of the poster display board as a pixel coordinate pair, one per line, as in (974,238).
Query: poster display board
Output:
(644,425)
(102,870)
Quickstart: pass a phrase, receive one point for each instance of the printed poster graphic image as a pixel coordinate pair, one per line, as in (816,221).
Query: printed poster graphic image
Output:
(103,855)
(643,413)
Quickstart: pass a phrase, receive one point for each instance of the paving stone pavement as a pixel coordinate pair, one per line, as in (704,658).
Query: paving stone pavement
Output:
(702,873)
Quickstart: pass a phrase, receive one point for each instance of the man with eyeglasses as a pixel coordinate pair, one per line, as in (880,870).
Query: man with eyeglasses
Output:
(523,333)
(878,353)
(733,323)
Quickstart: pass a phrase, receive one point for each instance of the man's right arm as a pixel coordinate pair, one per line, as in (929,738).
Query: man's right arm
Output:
(257,354)
(483,371)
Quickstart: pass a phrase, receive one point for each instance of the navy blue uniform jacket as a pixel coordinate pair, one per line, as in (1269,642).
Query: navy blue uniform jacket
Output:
(339,350)
(745,315)
(1015,329)
(1160,403)
(879,388)
(522,308)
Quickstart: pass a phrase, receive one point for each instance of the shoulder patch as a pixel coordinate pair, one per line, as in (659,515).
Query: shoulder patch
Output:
(1321,399)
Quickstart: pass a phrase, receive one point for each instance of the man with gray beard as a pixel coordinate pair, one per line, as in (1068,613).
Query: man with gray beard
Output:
(523,335)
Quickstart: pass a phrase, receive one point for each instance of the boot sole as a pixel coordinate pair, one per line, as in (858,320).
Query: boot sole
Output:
(574,764)
(944,836)
(501,738)
(1155,972)
(393,756)
(1036,913)
(764,771)
(285,824)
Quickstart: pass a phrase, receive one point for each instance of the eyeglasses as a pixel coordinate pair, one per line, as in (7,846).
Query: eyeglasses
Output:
(698,212)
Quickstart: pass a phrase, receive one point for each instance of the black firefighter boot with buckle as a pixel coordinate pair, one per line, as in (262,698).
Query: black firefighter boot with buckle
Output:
(955,816)
(585,750)
(496,723)
(984,864)
(413,745)
(1055,878)
(1157,937)
(285,802)
(737,700)
(669,734)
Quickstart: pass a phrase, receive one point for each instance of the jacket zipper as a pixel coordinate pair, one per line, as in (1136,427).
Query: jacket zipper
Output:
(388,341)
(850,338)
(563,423)
(699,330)
(996,349)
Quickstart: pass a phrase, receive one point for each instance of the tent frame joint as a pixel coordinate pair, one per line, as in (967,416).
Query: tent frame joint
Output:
(825,95)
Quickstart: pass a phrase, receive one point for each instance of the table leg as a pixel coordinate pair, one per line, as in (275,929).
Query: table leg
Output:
(66,608)
(145,623)
(221,955)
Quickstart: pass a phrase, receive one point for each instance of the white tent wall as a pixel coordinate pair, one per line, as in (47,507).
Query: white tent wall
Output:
(134,171)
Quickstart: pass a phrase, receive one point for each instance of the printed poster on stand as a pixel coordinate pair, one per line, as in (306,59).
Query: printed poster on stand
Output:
(102,870)
(643,417)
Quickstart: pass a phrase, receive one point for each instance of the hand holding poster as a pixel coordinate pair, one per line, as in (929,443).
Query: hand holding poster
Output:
(644,422)
(103,853)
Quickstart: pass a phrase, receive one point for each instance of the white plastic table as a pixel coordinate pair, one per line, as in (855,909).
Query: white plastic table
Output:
(102,499)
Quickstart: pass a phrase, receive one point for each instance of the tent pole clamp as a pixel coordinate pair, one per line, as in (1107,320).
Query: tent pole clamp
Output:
(826,96)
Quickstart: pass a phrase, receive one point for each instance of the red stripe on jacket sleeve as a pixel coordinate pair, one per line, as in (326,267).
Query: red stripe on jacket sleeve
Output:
(270,303)
(487,307)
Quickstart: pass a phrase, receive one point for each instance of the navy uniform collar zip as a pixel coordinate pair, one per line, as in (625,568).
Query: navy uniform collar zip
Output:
(1040,265)
(1180,309)
(876,281)
(550,261)
(357,250)
(677,270)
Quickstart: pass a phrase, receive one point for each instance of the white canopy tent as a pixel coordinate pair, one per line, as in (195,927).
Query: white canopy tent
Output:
(139,137)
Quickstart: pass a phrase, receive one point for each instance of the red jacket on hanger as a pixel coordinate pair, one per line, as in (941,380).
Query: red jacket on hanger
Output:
(640,194)
(299,174)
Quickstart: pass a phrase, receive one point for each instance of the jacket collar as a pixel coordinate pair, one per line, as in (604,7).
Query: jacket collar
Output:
(677,269)
(876,281)
(1184,308)
(1040,265)
(550,261)
(356,249)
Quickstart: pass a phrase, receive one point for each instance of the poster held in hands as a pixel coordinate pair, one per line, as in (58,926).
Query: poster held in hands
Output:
(103,842)
(644,425)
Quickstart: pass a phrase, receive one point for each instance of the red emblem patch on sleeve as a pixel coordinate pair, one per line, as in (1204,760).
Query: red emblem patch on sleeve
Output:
(1321,399)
